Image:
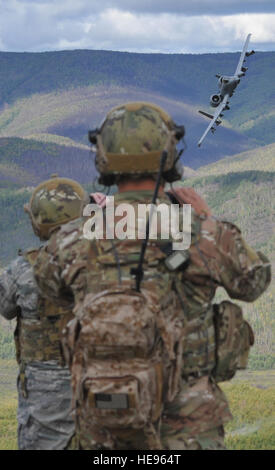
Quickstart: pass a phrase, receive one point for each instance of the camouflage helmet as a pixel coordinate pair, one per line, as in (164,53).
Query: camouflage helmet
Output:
(55,202)
(132,138)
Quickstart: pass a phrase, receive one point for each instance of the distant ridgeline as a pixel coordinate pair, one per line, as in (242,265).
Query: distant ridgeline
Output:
(184,77)
(65,93)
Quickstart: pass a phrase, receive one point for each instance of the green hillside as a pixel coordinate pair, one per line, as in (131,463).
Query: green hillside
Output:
(67,92)
(56,139)
(187,77)
(15,228)
(70,113)
(260,159)
(246,198)
(27,162)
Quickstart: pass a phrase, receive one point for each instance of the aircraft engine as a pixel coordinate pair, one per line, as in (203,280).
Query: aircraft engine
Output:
(215,100)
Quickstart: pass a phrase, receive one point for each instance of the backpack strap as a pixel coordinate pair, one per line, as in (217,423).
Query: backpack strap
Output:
(173,197)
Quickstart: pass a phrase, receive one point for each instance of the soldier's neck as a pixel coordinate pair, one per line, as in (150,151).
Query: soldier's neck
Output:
(141,185)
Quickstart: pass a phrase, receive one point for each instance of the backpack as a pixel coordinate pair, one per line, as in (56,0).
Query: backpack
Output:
(124,349)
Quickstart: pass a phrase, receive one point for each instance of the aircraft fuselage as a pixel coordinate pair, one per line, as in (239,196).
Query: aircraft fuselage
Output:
(227,85)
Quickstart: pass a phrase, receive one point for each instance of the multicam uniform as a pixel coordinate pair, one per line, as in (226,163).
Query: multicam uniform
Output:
(44,383)
(218,257)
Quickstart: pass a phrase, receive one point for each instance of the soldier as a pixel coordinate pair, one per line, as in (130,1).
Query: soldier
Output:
(44,390)
(147,346)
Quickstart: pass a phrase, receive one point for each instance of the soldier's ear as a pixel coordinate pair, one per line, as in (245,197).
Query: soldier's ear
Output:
(107,180)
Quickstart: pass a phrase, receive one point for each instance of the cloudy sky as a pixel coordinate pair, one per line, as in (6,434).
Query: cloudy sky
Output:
(168,26)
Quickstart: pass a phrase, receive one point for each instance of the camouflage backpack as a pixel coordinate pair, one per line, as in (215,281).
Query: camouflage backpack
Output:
(125,347)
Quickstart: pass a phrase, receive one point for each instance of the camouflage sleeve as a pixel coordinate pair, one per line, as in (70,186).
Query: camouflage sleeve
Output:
(244,273)
(55,269)
(47,271)
(8,288)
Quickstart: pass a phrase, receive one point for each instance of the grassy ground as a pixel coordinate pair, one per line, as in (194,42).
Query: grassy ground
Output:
(8,424)
(251,395)
(8,404)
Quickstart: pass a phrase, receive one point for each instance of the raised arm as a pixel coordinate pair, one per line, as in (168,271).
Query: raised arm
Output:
(244,273)
(56,266)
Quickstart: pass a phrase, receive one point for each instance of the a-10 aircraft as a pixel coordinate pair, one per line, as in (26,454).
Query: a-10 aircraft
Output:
(227,86)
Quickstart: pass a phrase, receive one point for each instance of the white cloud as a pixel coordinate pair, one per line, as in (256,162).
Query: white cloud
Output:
(173,33)
(28,25)
(261,25)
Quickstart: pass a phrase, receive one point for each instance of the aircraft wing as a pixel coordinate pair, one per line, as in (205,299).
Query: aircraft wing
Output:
(215,120)
(241,61)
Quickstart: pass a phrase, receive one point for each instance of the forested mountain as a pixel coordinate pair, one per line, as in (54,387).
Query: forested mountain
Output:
(260,159)
(185,77)
(66,93)
(26,162)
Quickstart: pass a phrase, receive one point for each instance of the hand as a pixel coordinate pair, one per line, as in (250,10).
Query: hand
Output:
(189,196)
(99,198)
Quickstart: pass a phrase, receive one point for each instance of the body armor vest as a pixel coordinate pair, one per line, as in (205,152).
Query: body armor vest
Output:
(39,339)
